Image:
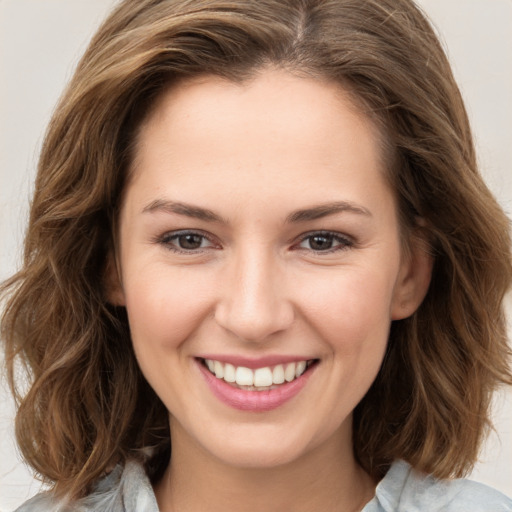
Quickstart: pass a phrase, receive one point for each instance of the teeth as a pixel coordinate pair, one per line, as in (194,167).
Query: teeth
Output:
(218,368)
(263,377)
(301,367)
(229,373)
(289,372)
(278,374)
(260,379)
(244,376)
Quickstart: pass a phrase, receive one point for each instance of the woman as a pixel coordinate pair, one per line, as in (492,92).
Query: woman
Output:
(259,237)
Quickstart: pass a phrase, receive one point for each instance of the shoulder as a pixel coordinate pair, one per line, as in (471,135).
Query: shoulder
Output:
(405,490)
(126,489)
(42,501)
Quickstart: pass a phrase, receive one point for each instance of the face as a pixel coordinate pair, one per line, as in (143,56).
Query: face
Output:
(259,242)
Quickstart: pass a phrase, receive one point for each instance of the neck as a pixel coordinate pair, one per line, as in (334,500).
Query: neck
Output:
(326,478)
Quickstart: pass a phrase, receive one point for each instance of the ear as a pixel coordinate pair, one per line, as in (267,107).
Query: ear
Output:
(413,279)
(112,283)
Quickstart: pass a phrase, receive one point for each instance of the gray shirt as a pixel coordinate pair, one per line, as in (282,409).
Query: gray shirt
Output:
(128,489)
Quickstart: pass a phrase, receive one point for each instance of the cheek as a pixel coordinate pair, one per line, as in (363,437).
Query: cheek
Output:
(165,307)
(351,315)
(351,310)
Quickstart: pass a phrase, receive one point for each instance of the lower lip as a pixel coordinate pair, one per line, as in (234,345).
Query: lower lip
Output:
(255,401)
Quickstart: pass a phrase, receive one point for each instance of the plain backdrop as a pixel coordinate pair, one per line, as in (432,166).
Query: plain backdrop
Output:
(40,43)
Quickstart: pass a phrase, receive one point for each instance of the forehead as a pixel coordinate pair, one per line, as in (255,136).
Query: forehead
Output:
(272,101)
(262,134)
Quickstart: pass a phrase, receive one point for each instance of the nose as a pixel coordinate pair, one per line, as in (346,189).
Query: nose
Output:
(253,304)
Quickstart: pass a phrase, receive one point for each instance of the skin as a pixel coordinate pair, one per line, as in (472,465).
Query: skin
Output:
(253,154)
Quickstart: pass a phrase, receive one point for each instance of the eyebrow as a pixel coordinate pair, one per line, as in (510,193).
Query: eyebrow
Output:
(303,215)
(195,212)
(324,210)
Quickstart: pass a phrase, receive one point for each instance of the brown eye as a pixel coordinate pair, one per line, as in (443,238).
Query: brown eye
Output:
(190,241)
(325,242)
(185,241)
(321,242)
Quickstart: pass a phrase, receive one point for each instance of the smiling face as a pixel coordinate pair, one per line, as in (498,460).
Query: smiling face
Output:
(259,238)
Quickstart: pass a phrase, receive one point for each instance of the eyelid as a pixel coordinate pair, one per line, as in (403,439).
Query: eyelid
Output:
(166,239)
(346,241)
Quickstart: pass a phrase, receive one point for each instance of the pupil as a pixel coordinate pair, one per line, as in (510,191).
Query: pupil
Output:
(320,242)
(190,241)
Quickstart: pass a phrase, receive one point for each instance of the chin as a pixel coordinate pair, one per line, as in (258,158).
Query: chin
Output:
(263,447)
(258,456)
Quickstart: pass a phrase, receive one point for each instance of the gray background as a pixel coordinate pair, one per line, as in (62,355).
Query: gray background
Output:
(40,43)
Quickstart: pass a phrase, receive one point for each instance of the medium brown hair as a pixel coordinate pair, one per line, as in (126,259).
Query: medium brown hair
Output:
(88,406)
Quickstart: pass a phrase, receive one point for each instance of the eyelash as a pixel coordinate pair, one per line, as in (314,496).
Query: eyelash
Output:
(167,240)
(343,241)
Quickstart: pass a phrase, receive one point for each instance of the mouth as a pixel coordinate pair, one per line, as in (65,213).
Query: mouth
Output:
(265,378)
(257,389)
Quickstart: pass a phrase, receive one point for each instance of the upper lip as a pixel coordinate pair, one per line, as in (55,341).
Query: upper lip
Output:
(255,362)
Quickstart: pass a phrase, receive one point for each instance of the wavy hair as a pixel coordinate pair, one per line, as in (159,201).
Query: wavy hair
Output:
(88,406)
